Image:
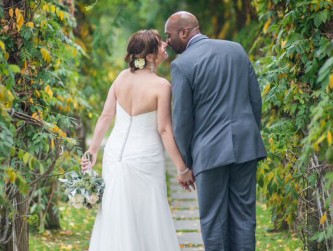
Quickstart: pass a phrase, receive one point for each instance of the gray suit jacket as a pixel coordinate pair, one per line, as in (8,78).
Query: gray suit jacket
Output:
(216,105)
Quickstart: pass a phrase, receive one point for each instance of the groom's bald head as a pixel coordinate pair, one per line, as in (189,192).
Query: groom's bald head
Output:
(180,28)
(183,19)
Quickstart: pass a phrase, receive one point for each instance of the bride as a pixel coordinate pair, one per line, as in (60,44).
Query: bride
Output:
(135,214)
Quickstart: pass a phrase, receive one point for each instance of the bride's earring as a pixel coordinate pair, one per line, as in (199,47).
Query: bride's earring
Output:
(152,67)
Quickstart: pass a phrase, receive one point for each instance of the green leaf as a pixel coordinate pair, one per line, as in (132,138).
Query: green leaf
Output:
(326,66)
(22,184)
(317,21)
(20,153)
(26,158)
(324,15)
(14,68)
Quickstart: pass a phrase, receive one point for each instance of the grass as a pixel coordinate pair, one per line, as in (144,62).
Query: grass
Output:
(75,233)
(269,240)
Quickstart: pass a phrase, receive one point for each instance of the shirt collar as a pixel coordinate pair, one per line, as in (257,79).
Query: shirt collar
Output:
(191,40)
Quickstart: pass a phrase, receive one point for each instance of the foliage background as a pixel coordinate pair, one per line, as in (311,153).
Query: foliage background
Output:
(58,59)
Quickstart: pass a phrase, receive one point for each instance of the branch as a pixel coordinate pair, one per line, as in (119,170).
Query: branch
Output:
(48,171)
(25,117)
(4,239)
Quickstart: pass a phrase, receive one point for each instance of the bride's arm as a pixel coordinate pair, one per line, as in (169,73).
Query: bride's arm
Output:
(165,129)
(102,125)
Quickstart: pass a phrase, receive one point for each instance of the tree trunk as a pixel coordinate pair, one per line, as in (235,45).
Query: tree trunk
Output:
(52,218)
(20,227)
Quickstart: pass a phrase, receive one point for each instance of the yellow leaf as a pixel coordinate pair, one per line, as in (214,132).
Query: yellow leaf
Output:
(12,175)
(35,115)
(30,24)
(323,219)
(316,144)
(267,88)
(61,15)
(53,8)
(2,46)
(52,144)
(61,170)
(46,8)
(58,131)
(316,147)
(6,55)
(37,93)
(43,23)
(17,12)
(267,24)
(283,43)
(329,138)
(57,64)
(49,91)
(46,55)
(331,81)
(6,97)
(19,20)
(11,12)
(55,129)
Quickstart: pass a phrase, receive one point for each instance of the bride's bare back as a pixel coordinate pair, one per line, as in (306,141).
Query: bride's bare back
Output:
(138,92)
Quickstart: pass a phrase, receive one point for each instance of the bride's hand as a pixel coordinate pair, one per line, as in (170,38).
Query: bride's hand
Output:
(86,163)
(187,180)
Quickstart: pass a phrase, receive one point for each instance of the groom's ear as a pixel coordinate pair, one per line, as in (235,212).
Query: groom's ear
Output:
(183,33)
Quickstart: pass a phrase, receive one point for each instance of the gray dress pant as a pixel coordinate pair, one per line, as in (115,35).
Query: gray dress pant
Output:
(227,206)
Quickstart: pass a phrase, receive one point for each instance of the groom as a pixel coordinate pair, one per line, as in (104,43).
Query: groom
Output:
(217,113)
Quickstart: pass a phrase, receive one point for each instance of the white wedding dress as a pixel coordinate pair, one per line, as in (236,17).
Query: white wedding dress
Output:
(134,214)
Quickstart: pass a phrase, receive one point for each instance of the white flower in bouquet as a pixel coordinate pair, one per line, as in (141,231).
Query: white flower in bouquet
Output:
(93,199)
(76,201)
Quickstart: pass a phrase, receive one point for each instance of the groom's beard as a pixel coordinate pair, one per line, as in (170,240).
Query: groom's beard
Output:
(177,50)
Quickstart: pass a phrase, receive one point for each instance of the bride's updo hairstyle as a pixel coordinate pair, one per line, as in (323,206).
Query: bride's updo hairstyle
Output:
(141,44)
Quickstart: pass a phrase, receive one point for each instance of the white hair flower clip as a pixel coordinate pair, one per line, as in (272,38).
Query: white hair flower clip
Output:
(139,63)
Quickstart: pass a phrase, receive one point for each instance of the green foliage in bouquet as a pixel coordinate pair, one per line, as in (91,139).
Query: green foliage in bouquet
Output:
(83,189)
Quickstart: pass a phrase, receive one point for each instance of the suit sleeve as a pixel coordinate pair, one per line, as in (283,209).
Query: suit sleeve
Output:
(182,112)
(255,95)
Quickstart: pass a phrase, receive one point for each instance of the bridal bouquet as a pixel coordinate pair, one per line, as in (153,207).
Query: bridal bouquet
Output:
(84,190)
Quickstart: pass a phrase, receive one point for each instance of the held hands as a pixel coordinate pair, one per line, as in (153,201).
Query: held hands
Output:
(186,179)
(88,160)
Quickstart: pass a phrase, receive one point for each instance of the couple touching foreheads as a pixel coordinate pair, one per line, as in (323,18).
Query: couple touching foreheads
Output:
(213,138)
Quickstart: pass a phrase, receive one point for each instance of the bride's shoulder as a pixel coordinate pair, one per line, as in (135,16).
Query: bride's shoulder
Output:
(163,87)
(163,82)
(122,75)
(124,72)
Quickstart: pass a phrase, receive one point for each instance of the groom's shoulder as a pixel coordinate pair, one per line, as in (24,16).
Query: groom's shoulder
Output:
(226,43)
